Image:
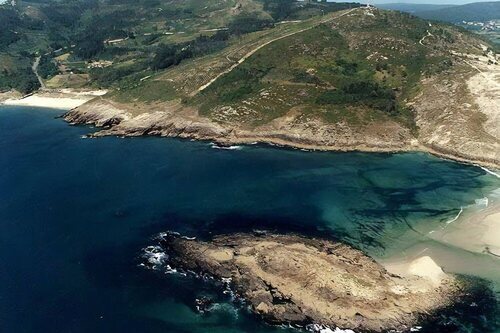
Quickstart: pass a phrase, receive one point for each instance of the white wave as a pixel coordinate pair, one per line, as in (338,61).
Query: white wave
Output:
(326,329)
(415,329)
(216,146)
(162,235)
(170,270)
(482,202)
(491,172)
(154,255)
(456,217)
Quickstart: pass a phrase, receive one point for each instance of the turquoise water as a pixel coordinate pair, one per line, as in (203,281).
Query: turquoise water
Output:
(76,213)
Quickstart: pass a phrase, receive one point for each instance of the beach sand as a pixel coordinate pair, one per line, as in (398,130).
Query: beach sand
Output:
(469,244)
(60,99)
(477,230)
(423,267)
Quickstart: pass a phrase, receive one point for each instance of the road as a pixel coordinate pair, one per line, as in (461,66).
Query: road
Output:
(35,70)
(249,54)
(421,41)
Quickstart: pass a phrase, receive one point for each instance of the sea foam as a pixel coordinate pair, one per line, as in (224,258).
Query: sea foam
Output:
(216,146)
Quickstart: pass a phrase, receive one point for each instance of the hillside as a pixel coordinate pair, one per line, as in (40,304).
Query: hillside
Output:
(102,43)
(316,76)
(479,11)
(358,79)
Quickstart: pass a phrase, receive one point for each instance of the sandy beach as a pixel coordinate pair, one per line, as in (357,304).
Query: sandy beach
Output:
(477,230)
(424,267)
(58,99)
(467,244)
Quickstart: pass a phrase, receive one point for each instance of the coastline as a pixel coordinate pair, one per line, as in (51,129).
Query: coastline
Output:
(115,121)
(406,295)
(63,99)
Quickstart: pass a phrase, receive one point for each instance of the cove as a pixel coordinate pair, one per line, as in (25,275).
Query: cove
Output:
(76,213)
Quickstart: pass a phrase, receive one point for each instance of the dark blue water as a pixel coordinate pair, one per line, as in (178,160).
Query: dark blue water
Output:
(75,214)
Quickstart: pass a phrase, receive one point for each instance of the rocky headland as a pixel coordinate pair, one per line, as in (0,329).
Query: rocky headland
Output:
(291,279)
(448,106)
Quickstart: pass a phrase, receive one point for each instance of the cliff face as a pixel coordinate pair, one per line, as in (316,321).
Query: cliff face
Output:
(458,112)
(184,123)
(360,79)
(289,279)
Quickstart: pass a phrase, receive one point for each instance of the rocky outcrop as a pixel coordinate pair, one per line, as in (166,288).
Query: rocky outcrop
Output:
(291,279)
(285,131)
(97,112)
(452,131)
(11,94)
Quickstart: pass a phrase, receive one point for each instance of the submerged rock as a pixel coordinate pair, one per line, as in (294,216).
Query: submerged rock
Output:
(290,279)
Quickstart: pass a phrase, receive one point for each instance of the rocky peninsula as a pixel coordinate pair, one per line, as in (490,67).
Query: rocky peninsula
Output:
(291,279)
(435,93)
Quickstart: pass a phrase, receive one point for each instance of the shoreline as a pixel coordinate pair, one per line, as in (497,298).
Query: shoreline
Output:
(201,129)
(61,99)
(420,148)
(403,299)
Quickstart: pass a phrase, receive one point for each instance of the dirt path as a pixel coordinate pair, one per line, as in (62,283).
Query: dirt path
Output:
(483,74)
(35,70)
(249,54)
(421,41)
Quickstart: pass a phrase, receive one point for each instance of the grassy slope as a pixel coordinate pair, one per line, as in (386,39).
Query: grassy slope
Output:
(167,22)
(358,70)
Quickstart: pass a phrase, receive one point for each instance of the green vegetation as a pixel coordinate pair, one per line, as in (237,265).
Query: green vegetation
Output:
(318,72)
(47,67)
(16,73)
(144,34)
(170,55)
(358,70)
(22,80)
(354,69)
(291,10)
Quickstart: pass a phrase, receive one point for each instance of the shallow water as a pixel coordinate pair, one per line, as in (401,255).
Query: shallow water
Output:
(76,213)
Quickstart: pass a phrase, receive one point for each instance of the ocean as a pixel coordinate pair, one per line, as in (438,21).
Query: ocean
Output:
(76,215)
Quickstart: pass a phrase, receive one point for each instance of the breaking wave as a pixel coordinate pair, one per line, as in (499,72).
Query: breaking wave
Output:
(216,146)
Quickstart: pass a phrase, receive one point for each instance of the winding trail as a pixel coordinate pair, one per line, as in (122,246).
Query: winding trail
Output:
(421,41)
(250,53)
(35,71)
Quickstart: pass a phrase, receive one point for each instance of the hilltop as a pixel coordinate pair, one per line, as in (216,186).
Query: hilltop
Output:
(330,76)
(357,79)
